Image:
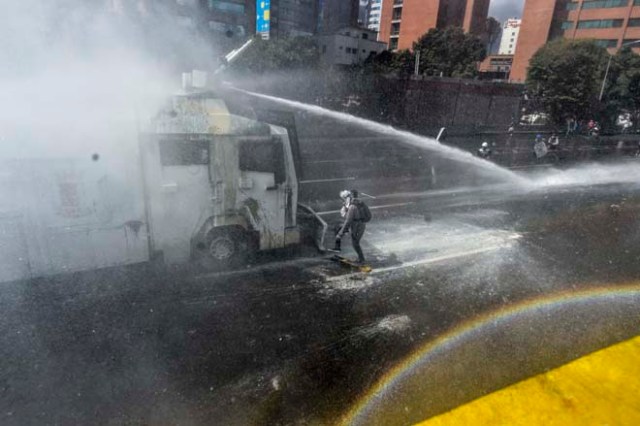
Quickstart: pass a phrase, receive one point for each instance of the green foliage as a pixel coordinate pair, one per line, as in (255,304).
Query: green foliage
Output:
(623,82)
(280,54)
(565,76)
(400,63)
(450,53)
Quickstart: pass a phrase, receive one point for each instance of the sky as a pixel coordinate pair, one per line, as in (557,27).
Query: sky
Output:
(504,9)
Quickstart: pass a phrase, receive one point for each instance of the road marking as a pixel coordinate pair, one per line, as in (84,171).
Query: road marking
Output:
(327,180)
(428,261)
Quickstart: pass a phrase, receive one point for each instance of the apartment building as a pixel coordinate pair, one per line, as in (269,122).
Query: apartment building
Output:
(509,40)
(374,13)
(402,22)
(610,22)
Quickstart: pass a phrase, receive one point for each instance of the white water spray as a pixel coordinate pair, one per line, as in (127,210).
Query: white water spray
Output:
(588,175)
(584,175)
(421,142)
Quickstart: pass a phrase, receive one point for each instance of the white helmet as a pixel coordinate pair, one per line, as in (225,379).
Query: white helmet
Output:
(485,144)
(345,194)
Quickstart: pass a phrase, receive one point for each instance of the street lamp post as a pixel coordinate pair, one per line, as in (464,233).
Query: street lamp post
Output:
(606,73)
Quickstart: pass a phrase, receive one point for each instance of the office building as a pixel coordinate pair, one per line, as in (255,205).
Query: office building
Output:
(290,18)
(230,18)
(363,12)
(337,14)
(404,21)
(374,12)
(348,46)
(610,22)
(509,39)
(496,67)
(216,19)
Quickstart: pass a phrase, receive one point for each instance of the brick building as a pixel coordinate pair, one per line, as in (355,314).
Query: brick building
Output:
(403,21)
(610,22)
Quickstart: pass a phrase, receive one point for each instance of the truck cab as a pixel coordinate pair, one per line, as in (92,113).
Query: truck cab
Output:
(218,187)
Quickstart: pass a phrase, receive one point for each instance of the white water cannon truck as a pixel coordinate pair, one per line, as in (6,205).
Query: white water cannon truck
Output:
(218,186)
(215,187)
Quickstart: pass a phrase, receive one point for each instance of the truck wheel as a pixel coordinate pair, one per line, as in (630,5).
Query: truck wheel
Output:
(225,248)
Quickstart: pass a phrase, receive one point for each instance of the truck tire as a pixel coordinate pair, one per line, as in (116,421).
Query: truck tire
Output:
(226,248)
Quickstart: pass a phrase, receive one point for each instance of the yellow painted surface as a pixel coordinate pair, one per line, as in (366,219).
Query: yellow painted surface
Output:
(602,388)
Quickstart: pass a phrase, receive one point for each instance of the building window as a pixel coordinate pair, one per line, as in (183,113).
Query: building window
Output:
(634,22)
(601,4)
(636,2)
(631,40)
(567,25)
(397,14)
(607,43)
(393,44)
(573,5)
(226,6)
(365,36)
(397,2)
(600,23)
(395,29)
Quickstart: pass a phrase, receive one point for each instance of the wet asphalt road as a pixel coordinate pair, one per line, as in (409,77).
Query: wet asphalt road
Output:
(300,341)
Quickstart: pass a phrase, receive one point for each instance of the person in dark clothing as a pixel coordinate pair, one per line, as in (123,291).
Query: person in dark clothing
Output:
(353,223)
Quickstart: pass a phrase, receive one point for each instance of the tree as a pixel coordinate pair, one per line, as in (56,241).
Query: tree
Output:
(280,54)
(565,76)
(450,53)
(623,82)
(399,63)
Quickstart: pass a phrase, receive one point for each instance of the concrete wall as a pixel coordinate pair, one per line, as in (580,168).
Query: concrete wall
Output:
(422,104)
(426,104)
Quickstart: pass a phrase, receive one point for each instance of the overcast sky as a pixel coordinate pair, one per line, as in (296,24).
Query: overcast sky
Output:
(503,9)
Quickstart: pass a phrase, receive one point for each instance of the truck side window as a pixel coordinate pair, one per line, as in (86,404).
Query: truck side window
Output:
(265,156)
(181,152)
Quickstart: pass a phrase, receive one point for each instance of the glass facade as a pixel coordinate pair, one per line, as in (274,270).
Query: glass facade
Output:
(600,4)
(609,43)
(226,6)
(600,23)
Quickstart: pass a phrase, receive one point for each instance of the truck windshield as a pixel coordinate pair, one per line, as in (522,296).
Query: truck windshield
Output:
(263,156)
(184,152)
